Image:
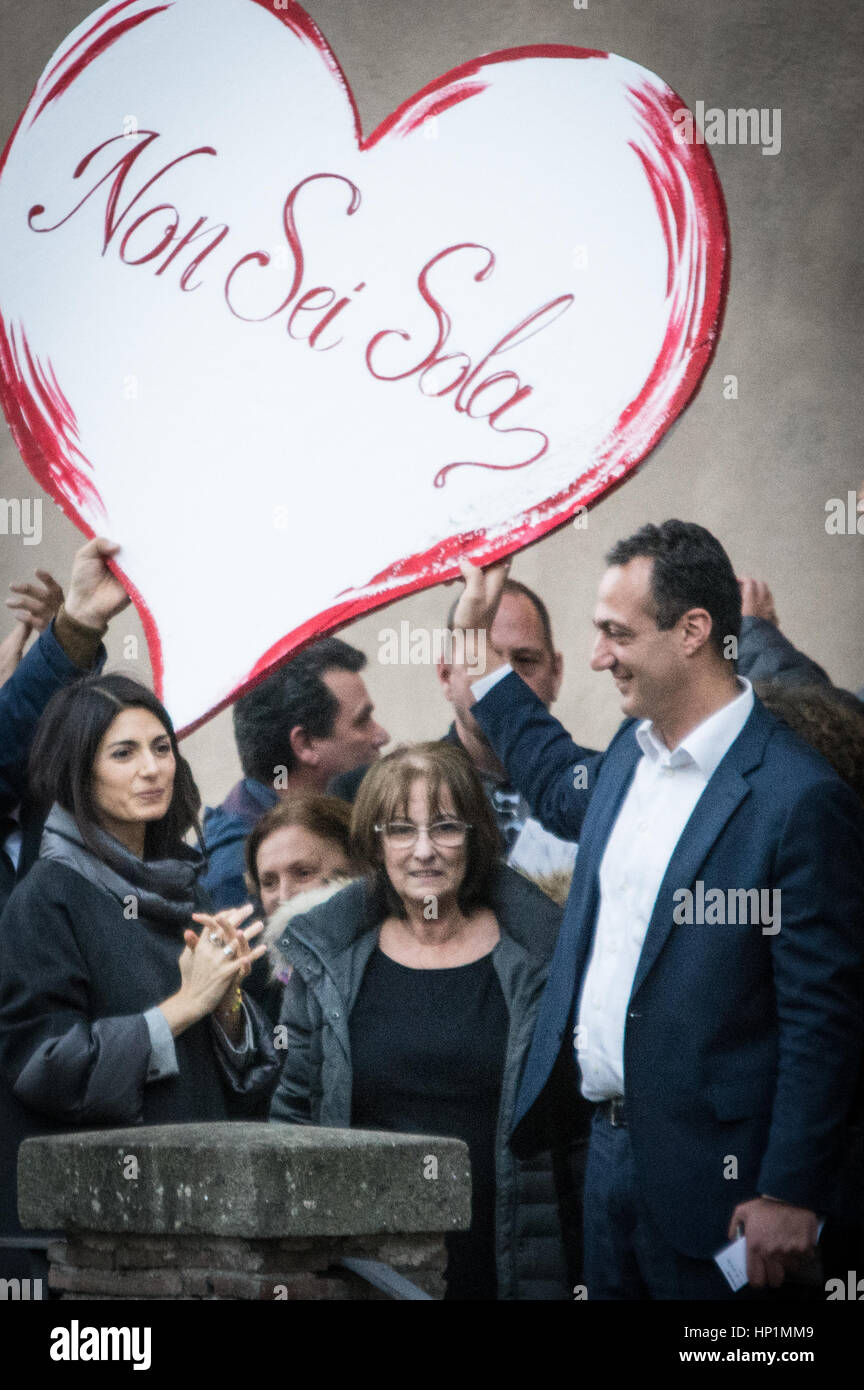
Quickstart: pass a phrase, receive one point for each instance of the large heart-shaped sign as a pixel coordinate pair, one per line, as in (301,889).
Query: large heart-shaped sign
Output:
(297,372)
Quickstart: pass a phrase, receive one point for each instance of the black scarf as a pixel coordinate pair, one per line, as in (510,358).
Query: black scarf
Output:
(163,888)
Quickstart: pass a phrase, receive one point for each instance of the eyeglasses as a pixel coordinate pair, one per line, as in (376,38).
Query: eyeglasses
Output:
(446,834)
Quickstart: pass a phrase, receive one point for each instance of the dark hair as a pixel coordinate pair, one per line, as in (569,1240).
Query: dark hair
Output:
(64,749)
(512,586)
(384,793)
(324,816)
(691,570)
(294,695)
(830,720)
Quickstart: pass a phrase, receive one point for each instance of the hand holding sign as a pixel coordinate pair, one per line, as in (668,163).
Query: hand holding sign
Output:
(240,327)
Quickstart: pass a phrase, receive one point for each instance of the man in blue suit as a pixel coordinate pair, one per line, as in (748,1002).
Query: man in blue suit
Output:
(704,1004)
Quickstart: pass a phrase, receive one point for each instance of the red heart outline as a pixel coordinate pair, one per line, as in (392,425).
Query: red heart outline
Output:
(45,429)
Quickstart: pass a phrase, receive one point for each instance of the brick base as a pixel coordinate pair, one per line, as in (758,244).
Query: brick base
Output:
(87,1266)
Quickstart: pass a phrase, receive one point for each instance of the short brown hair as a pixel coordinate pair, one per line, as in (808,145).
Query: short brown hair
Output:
(690,569)
(384,793)
(324,816)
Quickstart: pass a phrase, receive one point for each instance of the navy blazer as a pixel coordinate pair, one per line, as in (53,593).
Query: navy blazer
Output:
(741,1048)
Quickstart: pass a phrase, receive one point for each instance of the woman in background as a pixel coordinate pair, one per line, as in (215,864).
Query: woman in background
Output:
(304,842)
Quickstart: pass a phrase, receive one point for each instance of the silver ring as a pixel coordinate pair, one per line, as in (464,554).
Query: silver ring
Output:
(216,938)
(229,949)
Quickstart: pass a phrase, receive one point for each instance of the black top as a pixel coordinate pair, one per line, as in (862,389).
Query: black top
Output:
(428,1050)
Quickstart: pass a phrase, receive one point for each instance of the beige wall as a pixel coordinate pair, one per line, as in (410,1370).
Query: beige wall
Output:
(757,470)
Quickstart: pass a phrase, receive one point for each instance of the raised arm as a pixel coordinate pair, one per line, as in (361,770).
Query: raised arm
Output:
(763,651)
(554,774)
(69,647)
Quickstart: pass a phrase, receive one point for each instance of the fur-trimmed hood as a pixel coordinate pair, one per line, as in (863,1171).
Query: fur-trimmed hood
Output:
(524,911)
(278,923)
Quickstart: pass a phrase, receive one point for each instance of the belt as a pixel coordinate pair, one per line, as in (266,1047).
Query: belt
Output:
(613,1110)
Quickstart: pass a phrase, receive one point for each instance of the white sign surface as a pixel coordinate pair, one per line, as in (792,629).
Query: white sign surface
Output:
(296,371)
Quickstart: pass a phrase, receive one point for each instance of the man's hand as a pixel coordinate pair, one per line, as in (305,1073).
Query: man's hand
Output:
(36,604)
(757,601)
(95,595)
(476,609)
(779,1236)
(34,608)
(481,596)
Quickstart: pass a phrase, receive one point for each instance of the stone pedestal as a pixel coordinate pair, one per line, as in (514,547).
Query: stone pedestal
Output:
(242,1210)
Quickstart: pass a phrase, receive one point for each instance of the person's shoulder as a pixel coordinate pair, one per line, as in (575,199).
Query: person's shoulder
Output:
(51,876)
(799,785)
(345,785)
(524,911)
(790,757)
(330,917)
(222,828)
(47,887)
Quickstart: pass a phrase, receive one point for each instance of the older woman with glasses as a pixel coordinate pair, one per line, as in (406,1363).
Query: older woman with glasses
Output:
(411,1004)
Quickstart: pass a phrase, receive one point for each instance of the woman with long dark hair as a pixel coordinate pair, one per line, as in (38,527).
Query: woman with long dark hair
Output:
(120,1000)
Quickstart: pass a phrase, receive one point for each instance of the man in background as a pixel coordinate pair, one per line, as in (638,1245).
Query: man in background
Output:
(296,731)
(521,635)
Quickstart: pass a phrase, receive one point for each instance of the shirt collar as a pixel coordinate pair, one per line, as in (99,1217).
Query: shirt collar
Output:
(707,744)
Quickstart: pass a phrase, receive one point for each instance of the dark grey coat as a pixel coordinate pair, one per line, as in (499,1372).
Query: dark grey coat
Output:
(76,978)
(329,947)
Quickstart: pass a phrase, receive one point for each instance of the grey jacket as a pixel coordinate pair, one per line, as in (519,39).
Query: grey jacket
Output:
(328,948)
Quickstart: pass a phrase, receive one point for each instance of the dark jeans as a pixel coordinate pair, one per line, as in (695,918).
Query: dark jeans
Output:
(568,1168)
(627,1255)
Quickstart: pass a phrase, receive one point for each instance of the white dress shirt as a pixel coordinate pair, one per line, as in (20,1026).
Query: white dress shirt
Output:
(540,854)
(660,801)
(661,798)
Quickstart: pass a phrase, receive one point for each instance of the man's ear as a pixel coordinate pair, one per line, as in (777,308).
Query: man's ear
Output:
(557,672)
(444,672)
(303,747)
(696,625)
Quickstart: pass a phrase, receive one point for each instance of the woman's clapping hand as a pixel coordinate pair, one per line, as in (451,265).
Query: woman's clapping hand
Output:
(212,964)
